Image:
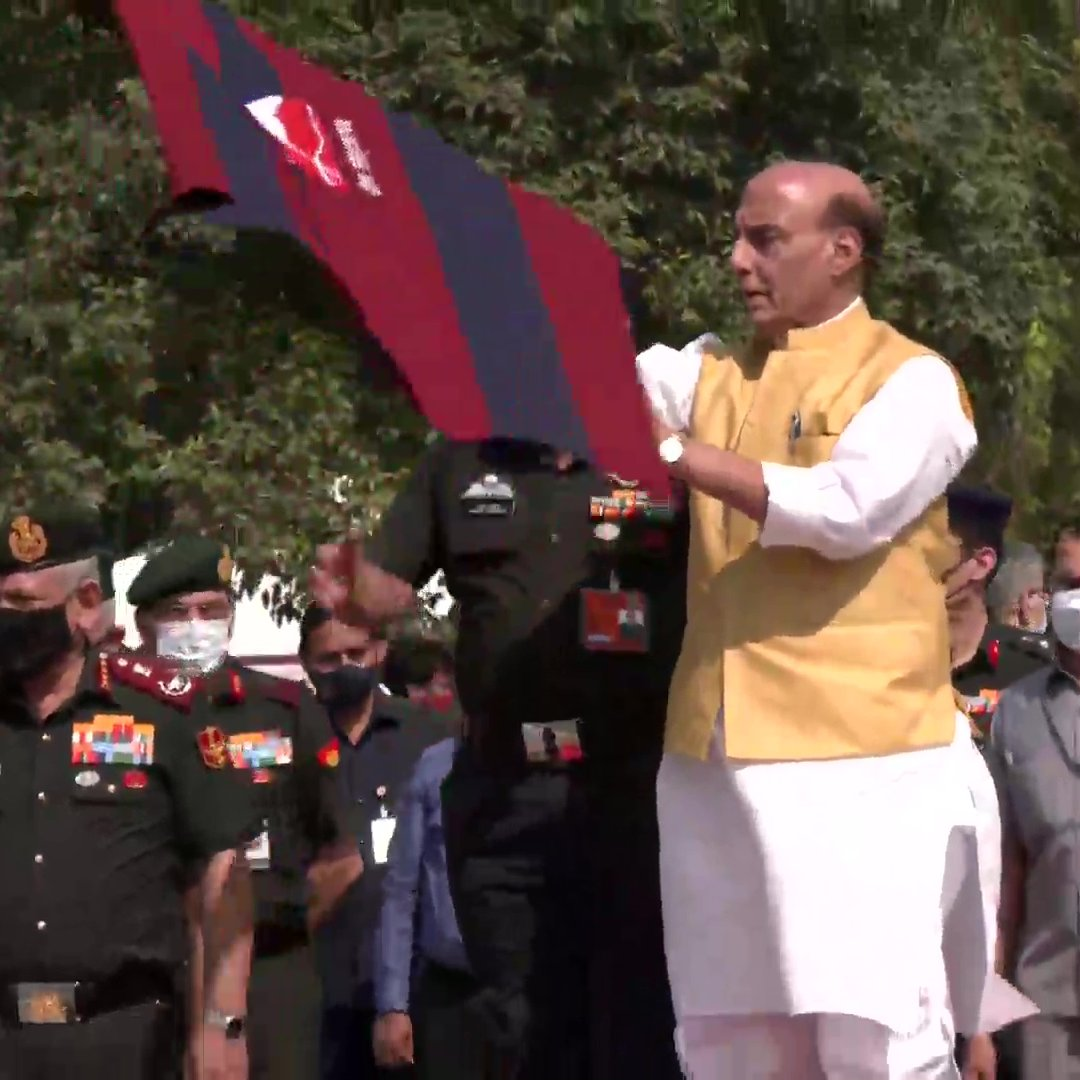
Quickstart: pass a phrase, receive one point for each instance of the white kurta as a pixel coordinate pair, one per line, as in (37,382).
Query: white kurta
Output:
(818,887)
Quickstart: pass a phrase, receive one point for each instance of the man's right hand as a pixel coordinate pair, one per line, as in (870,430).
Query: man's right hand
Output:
(393,1040)
(355,590)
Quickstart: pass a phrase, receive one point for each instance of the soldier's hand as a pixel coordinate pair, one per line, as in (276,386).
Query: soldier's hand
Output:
(980,1059)
(212,1056)
(393,1040)
(356,590)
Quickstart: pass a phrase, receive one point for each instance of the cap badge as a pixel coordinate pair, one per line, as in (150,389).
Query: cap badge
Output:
(225,567)
(27,540)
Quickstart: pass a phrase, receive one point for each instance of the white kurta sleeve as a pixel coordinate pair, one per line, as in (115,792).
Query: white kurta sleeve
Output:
(898,454)
(669,378)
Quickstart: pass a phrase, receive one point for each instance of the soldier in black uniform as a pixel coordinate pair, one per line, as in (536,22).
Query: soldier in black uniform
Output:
(571,593)
(996,655)
(377,742)
(112,788)
(184,606)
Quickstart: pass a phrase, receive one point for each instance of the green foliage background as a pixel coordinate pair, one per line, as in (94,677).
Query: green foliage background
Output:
(192,377)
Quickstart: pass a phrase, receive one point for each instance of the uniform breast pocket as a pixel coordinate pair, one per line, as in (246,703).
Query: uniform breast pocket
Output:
(110,793)
(476,536)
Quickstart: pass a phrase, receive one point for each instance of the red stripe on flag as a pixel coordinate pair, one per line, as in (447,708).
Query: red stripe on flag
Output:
(383,251)
(579,276)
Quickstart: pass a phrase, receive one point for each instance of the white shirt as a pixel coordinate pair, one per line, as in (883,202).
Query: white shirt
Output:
(897,455)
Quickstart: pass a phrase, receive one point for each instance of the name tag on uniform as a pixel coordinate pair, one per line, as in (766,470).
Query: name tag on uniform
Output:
(382,832)
(614,620)
(257,852)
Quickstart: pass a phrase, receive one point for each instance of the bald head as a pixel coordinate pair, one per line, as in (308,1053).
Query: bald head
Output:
(804,233)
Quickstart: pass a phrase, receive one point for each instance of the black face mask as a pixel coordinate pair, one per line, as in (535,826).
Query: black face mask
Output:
(32,640)
(344,688)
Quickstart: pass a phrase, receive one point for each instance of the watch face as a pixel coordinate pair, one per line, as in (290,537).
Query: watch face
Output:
(671,450)
(234,1028)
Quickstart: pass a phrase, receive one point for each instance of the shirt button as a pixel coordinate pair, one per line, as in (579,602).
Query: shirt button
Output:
(41,796)
(554,538)
(41,924)
(111,789)
(39,859)
(46,737)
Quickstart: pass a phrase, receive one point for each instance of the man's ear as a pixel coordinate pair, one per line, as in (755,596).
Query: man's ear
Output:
(89,595)
(985,560)
(847,251)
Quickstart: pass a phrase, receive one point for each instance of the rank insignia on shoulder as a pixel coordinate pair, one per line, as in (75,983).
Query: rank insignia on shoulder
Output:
(151,676)
(213,747)
(330,754)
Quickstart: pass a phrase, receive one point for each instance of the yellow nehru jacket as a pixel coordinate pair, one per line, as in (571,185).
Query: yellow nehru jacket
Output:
(809,657)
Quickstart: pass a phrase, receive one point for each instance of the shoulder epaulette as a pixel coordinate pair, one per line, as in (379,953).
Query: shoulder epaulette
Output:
(148,675)
(287,691)
(225,687)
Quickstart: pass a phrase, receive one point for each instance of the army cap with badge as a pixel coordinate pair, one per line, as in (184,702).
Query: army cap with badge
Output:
(184,602)
(42,613)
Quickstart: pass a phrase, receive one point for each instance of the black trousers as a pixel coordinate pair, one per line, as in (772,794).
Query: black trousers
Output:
(555,878)
(448,1040)
(139,1043)
(284,1006)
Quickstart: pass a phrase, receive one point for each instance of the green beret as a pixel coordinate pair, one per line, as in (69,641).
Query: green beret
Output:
(186,565)
(46,536)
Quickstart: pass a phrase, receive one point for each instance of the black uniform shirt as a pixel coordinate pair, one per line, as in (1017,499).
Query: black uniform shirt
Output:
(276,729)
(514,537)
(1005,655)
(102,807)
(371,776)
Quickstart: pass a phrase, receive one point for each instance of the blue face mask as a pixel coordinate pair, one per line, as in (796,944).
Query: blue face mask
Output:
(344,688)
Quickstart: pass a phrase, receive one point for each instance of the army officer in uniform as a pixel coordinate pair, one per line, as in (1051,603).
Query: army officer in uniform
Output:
(999,655)
(571,594)
(184,604)
(112,787)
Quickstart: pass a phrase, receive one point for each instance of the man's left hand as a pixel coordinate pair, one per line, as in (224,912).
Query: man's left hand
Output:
(211,1056)
(980,1059)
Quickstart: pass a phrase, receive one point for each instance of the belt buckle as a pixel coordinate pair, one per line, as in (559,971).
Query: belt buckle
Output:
(46,1003)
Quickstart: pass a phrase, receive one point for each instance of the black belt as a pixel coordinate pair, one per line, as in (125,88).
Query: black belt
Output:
(75,1002)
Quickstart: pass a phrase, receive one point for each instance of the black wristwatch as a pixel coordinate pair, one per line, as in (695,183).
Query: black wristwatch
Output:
(233,1026)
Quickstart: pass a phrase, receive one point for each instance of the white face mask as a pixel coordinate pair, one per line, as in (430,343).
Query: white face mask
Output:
(198,644)
(1065,618)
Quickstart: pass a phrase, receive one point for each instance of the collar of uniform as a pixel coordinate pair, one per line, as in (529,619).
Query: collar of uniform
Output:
(382,715)
(94,684)
(831,332)
(524,452)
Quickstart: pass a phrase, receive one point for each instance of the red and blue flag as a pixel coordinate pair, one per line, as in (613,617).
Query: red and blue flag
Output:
(502,311)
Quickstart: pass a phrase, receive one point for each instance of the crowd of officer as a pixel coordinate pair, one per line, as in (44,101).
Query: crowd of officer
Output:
(232,875)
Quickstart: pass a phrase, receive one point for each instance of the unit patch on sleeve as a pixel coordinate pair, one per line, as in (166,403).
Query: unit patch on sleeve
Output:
(112,740)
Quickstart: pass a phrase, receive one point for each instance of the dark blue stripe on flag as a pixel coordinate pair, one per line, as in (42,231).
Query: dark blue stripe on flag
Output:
(500,308)
(247,154)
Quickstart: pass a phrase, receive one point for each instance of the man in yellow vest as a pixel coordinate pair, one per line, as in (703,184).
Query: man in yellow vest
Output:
(810,786)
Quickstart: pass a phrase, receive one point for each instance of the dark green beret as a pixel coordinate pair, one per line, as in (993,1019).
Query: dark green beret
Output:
(45,536)
(185,565)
